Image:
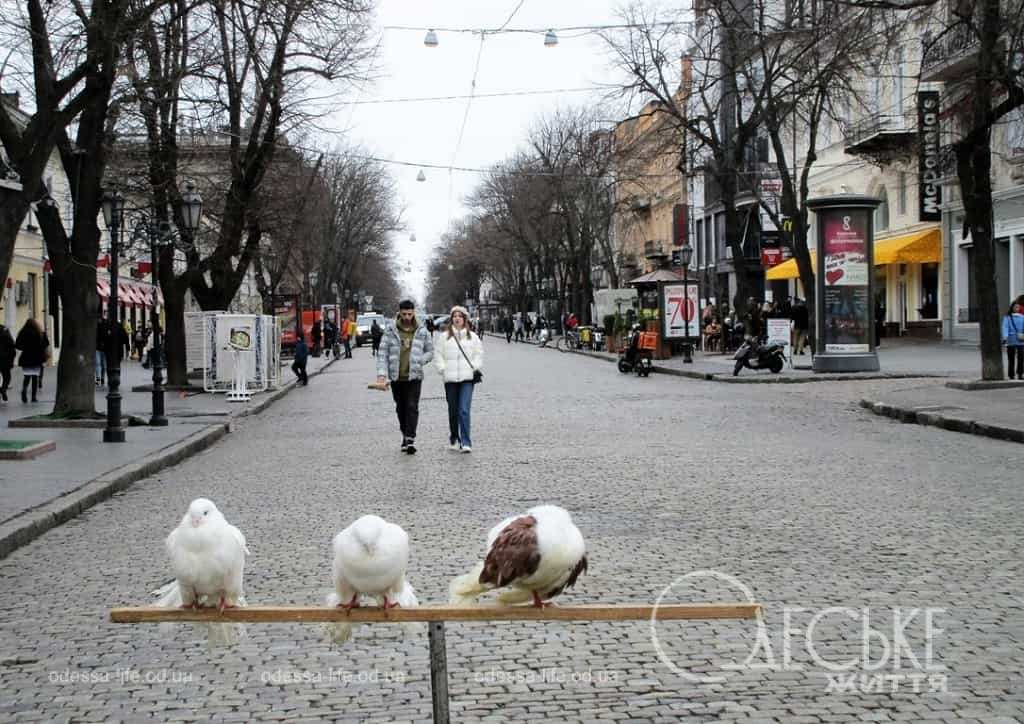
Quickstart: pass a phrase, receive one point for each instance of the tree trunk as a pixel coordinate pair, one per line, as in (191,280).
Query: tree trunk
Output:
(974,169)
(174,336)
(12,215)
(76,388)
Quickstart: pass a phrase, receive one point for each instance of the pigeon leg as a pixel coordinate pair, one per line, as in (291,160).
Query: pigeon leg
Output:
(354,603)
(537,602)
(224,604)
(390,604)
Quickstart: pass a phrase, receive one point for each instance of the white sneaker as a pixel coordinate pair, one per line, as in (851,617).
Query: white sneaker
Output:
(467,449)
(454,447)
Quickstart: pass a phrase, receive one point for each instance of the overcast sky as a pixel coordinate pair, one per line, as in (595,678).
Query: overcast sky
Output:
(428,132)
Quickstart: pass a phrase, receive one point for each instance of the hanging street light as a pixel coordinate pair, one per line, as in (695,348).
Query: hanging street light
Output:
(550,39)
(421,176)
(431,39)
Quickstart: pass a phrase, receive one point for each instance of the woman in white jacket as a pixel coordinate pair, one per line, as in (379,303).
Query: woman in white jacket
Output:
(458,355)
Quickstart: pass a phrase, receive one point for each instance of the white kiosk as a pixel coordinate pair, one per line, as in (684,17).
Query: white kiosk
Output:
(241,355)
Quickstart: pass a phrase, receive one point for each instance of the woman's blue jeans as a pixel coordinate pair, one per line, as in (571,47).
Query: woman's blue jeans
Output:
(460,398)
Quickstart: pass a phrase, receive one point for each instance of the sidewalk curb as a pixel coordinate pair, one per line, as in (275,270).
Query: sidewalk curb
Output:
(727,378)
(946,422)
(31,524)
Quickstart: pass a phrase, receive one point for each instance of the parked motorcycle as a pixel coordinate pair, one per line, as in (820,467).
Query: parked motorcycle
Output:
(633,358)
(757,356)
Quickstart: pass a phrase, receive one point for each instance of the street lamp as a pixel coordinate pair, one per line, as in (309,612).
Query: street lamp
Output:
(685,257)
(112,204)
(190,212)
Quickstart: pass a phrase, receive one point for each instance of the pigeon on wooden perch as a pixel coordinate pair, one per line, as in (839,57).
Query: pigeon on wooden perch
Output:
(533,556)
(207,559)
(370,559)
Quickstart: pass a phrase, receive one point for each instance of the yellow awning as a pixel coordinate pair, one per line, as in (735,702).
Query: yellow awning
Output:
(921,247)
(788,269)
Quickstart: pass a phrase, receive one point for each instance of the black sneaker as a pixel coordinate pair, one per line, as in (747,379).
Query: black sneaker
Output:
(411,447)
(405,444)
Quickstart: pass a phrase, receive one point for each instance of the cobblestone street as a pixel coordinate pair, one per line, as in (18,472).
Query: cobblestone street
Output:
(791,490)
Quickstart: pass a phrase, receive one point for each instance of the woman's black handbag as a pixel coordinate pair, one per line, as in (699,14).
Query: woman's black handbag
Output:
(478,376)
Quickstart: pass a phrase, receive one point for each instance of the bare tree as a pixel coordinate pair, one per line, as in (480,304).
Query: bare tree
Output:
(979,96)
(67,55)
(247,74)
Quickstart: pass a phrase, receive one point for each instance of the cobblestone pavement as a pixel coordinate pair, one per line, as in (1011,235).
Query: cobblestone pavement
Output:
(796,493)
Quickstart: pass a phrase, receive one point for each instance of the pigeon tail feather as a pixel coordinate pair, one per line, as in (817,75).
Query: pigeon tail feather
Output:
(337,633)
(465,590)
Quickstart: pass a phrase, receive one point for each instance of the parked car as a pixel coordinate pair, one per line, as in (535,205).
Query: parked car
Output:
(364,322)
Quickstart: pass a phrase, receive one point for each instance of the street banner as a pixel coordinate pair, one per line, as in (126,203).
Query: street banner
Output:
(681,305)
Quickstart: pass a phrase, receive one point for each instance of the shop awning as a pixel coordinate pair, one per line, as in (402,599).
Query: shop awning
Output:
(920,247)
(788,269)
(103,288)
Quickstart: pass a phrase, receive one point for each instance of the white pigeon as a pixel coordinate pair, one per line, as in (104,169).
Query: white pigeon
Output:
(370,559)
(537,555)
(207,559)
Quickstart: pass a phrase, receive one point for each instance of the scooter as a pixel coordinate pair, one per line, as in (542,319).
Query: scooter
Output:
(634,359)
(757,356)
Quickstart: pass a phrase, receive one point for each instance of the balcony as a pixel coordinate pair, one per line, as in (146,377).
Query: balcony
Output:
(950,57)
(881,134)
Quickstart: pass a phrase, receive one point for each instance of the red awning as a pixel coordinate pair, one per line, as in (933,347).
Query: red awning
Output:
(145,293)
(103,288)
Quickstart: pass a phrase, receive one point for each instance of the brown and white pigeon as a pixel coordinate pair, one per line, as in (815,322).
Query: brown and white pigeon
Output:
(535,557)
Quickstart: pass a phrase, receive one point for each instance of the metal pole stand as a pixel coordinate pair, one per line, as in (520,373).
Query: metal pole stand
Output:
(438,672)
(239,392)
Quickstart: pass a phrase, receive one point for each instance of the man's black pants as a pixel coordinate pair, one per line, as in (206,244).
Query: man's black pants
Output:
(300,372)
(407,405)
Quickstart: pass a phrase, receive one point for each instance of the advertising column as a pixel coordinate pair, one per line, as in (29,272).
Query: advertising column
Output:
(844,339)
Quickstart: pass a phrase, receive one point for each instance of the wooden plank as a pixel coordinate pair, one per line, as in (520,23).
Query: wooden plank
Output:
(318,614)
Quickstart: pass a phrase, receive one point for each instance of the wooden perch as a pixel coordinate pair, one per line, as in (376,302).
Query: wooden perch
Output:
(320,614)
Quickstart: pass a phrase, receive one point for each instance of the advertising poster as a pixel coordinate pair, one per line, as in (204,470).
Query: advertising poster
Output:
(285,312)
(778,333)
(681,305)
(847,317)
(846,260)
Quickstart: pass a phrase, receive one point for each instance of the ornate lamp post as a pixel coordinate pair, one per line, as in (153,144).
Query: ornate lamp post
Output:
(190,212)
(685,257)
(112,204)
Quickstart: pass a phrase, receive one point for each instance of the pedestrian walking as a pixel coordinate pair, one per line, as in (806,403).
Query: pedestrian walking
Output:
(330,336)
(301,357)
(7,354)
(459,360)
(509,328)
(352,332)
(103,334)
(376,332)
(406,347)
(528,327)
(801,322)
(519,328)
(32,342)
(1013,338)
(315,334)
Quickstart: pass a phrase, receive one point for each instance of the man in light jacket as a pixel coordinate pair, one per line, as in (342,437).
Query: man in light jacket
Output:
(405,349)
